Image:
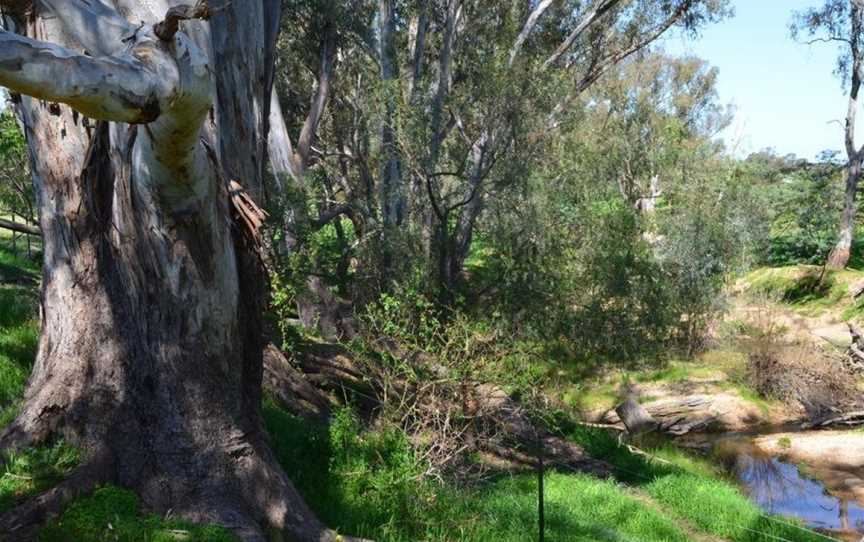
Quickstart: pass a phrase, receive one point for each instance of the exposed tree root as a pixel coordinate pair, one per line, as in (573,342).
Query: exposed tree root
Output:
(241,488)
(226,475)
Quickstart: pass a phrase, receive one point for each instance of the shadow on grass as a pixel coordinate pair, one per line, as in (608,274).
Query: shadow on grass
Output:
(369,483)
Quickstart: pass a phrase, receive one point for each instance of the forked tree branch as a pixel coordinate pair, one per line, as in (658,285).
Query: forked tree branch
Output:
(168,28)
(587,20)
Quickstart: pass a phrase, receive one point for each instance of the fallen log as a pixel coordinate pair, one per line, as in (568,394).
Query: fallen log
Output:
(850,419)
(451,418)
(20,227)
(674,417)
(289,386)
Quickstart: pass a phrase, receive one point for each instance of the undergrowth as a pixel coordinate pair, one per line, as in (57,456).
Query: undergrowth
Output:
(369,483)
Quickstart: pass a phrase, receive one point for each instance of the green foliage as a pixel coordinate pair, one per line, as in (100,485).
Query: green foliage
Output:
(364,483)
(34,470)
(112,513)
(406,316)
(805,204)
(18,340)
(623,243)
(16,189)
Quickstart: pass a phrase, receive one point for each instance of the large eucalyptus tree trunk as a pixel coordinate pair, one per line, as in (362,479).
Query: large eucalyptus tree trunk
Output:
(150,357)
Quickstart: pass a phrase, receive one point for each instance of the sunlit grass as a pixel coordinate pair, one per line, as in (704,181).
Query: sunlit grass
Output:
(692,489)
(114,514)
(807,289)
(27,473)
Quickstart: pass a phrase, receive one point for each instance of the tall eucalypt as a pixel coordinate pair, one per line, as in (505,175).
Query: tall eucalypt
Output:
(841,22)
(141,117)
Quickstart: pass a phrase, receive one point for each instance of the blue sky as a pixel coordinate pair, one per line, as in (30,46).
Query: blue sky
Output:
(785,93)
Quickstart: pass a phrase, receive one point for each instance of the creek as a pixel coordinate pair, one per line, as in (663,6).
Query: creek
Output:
(784,488)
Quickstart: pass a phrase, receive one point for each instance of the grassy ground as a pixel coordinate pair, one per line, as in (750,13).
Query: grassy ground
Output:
(722,370)
(367,484)
(370,483)
(807,289)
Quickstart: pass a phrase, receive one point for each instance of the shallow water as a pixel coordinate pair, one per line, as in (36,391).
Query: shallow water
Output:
(781,488)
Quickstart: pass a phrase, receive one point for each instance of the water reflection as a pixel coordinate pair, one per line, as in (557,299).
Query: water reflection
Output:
(780,488)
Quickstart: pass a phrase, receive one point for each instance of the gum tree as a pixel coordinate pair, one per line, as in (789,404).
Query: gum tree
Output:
(140,117)
(841,22)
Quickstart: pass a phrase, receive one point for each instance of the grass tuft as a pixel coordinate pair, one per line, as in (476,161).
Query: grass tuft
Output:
(32,471)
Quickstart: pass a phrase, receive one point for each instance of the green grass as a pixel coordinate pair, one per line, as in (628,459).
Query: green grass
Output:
(368,484)
(27,473)
(691,489)
(19,336)
(114,514)
(578,508)
(799,286)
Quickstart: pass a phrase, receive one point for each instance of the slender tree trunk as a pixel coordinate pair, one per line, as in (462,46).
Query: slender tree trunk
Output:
(839,257)
(150,355)
(392,192)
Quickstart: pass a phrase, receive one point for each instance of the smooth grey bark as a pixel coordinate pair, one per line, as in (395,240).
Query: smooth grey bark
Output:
(150,354)
(417,47)
(530,23)
(392,191)
(280,150)
(289,165)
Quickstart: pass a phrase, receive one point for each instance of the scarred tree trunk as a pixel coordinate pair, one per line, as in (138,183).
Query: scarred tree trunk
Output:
(150,357)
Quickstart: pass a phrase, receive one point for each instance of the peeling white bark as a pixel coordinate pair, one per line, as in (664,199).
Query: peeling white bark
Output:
(121,88)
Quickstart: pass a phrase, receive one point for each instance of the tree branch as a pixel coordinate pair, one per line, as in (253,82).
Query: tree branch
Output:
(603,65)
(168,28)
(529,26)
(96,26)
(319,99)
(589,19)
(19,227)
(117,89)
